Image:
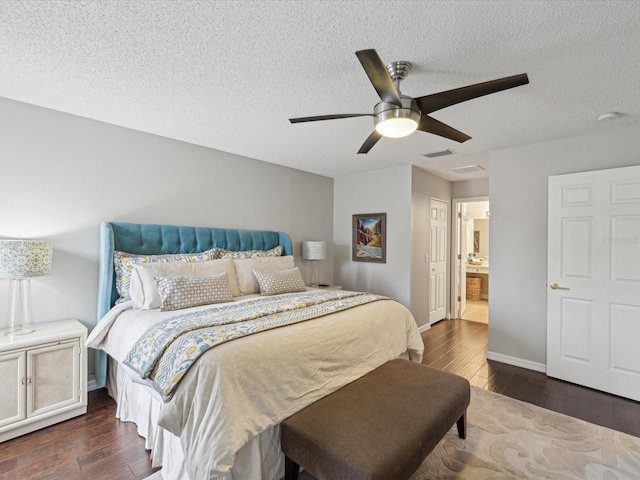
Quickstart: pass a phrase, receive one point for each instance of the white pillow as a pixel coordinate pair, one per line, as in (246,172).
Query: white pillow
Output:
(185,291)
(144,291)
(245,267)
(282,281)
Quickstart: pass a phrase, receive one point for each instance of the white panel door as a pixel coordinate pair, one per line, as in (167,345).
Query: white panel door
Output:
(593,301)
(438,260)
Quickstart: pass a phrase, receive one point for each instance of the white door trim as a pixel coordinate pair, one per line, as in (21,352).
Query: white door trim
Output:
(452,257)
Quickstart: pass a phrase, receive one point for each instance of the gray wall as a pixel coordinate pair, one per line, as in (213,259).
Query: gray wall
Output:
(62,175)
(404,194)
(383,191)
(425,186)
(470,188)
(518,183)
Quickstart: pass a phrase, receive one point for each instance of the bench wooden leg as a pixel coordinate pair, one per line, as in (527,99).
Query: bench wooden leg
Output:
(462,426)
(291,469)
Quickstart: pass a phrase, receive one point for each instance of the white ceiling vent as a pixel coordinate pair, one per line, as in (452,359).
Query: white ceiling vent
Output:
(467,169)
(441,153)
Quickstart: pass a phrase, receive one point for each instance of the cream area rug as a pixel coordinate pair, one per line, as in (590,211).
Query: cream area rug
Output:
(510,439)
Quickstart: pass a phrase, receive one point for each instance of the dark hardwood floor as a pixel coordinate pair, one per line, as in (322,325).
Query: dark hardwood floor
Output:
(460,347)
(91,447)
(98,446)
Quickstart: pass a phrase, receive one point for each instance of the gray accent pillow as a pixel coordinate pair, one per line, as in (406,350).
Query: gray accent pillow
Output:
(185,291)
(282,281)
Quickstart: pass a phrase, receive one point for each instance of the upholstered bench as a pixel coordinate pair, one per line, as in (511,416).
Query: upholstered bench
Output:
(379,427)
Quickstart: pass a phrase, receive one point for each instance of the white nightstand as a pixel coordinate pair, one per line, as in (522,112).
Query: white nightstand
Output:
(331,287)
(43,376)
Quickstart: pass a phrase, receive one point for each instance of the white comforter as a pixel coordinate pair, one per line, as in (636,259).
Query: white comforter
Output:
(239,389)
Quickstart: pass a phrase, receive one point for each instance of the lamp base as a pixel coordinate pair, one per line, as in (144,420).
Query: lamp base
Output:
(20,317)
(19,331)
(315,274)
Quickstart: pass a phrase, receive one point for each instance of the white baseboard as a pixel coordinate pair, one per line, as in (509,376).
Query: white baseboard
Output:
(92,383)
(517,362)
(424,328)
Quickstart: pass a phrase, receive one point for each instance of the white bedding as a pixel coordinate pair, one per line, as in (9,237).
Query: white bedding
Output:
(240,389)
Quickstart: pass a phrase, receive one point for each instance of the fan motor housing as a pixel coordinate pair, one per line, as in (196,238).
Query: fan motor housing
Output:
(384,111)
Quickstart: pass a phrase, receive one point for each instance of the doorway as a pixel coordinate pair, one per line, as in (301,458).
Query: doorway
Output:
(470,285)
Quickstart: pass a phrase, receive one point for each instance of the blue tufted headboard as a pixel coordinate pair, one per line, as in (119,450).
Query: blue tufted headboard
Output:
(151,239)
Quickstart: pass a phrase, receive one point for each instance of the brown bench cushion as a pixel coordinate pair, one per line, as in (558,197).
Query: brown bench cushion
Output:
(379,427)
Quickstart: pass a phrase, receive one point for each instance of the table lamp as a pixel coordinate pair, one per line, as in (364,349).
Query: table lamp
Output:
(19,261)
(314,251)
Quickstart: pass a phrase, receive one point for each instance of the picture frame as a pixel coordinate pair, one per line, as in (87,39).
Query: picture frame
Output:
(369,238)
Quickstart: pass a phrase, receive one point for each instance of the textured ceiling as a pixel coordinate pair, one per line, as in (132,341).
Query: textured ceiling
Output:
(228,75)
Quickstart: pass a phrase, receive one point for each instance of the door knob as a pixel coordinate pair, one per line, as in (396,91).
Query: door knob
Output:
(555,286)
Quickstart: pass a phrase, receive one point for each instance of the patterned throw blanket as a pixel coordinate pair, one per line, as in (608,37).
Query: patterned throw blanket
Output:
(164,353)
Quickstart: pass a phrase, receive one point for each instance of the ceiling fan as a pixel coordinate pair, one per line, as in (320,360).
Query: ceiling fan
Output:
(399,115)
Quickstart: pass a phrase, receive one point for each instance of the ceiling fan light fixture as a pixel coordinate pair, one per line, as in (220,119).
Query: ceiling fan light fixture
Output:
(395,122)
(396,127)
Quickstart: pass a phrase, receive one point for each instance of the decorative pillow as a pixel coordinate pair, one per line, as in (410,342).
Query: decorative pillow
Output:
(274,252)
(184,291)
(144,292)
(246,266)
(282,281)
(124,263)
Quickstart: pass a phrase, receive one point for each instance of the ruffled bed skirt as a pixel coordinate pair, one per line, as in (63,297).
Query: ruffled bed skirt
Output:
(260,459)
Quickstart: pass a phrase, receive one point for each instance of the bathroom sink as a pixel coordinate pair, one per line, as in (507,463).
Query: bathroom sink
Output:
(484,266)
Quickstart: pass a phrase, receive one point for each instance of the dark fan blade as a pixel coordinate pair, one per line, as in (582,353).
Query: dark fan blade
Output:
(380,78)
(370,142)
(329,117)
(437,101)
(431,125)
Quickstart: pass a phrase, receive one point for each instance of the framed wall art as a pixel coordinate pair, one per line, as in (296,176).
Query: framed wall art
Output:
(369,241)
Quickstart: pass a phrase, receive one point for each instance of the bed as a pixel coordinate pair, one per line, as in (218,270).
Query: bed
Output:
(221,419)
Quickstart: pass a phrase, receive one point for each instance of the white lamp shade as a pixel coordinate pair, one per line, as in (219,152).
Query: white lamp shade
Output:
(314,250)
(25,258)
